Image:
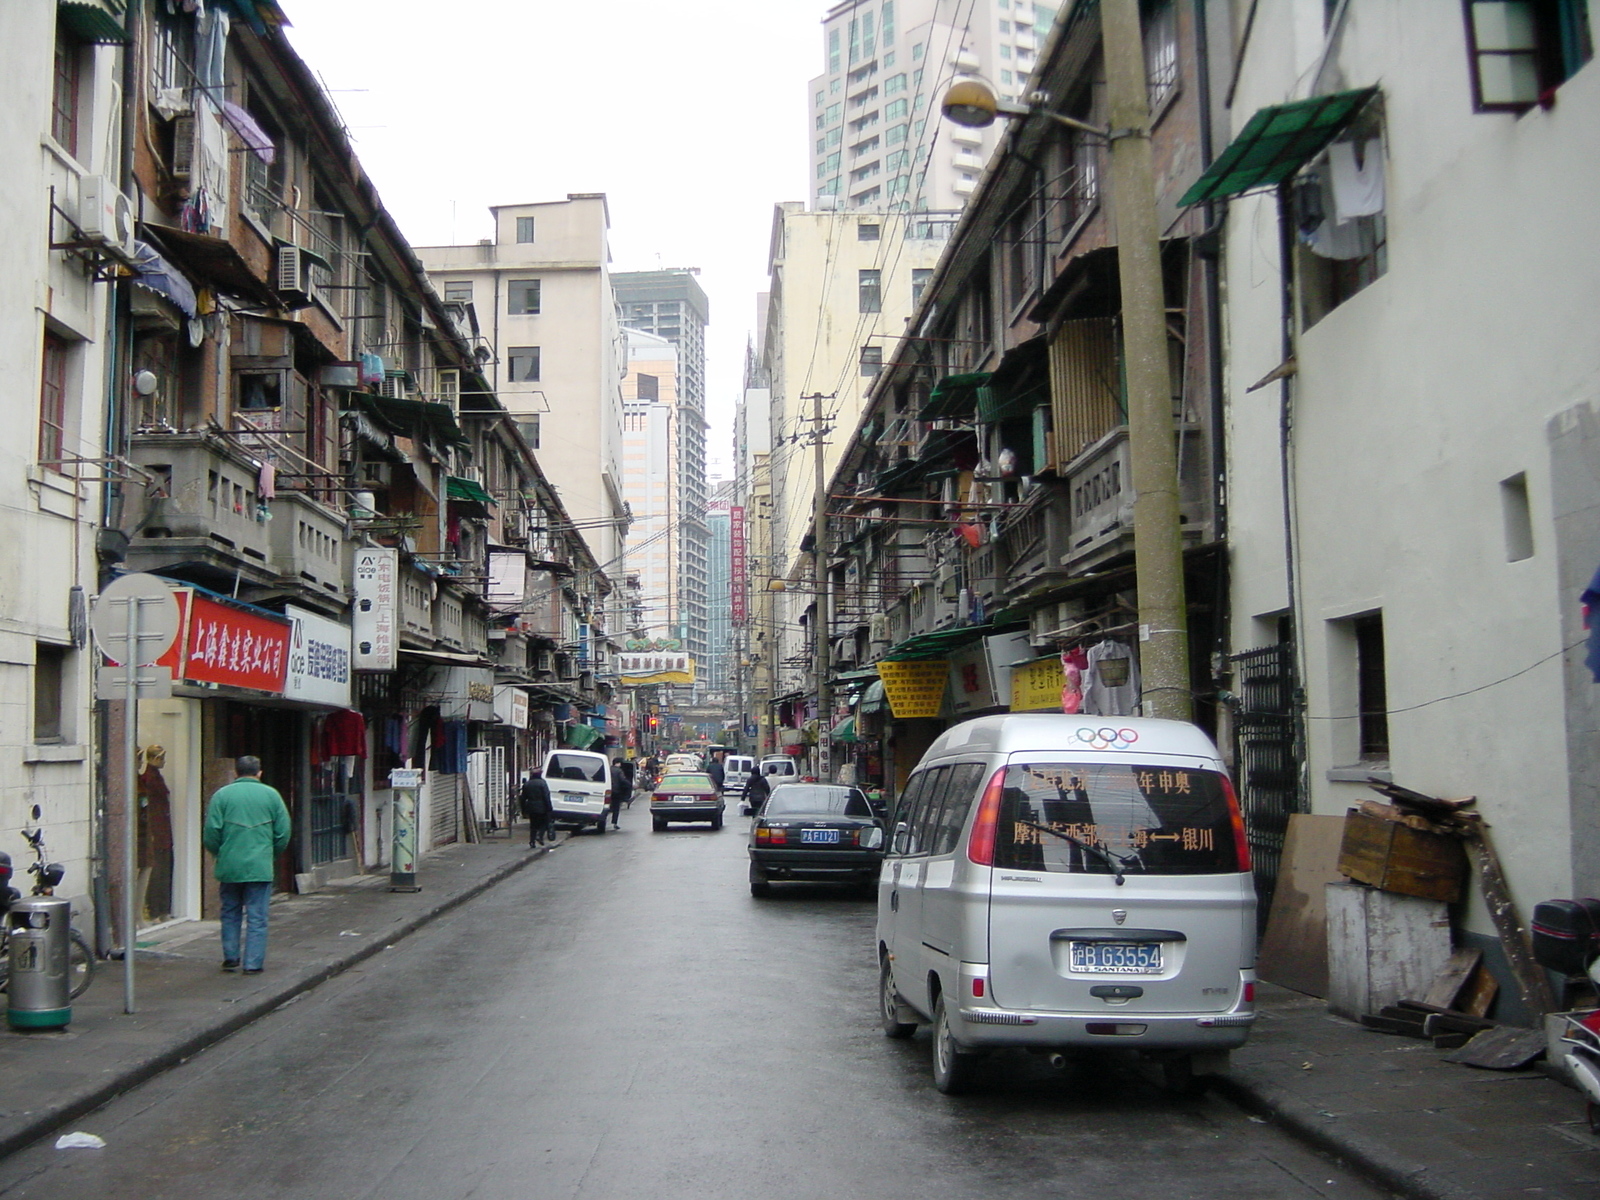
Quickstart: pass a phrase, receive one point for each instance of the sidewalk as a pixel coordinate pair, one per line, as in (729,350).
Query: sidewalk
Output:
(1392,1106)
(185,1002)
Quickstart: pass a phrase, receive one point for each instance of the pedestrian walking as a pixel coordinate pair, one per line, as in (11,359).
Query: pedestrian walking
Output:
(756,791)
(717,773)
(246,828)
(630,779)
(621,789)
(533,799)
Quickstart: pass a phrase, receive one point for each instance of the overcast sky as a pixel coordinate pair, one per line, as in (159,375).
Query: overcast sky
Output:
(689,115)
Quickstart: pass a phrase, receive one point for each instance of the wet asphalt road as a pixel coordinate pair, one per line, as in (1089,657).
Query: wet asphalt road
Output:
(624,1021)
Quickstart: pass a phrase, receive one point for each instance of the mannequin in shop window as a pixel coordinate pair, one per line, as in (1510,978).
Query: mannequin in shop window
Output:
(155,838)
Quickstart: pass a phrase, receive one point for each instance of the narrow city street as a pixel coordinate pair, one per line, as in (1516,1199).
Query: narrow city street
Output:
(623,1021)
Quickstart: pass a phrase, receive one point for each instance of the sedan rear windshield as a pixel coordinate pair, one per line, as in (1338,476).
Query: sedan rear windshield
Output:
(834,801)
(570,766)
(1103,819)
(687,780)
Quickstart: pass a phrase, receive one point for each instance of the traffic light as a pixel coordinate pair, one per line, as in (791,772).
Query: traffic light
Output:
(654,721)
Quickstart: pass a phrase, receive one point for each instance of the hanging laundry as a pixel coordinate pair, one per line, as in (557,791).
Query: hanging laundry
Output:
(267,482)
(1072,682)
(1356,179)
(345,733)
(1113,681)
(1591,601)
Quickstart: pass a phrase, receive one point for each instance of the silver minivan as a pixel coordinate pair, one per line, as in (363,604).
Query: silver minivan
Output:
(1064,883)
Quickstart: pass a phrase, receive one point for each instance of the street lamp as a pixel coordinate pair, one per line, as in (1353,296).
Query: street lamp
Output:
(1152,456)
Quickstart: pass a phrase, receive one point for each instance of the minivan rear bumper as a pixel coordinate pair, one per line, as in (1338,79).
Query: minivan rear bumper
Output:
(996,1027)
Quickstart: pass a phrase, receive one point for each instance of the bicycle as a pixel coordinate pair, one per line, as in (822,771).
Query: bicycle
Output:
(80,955)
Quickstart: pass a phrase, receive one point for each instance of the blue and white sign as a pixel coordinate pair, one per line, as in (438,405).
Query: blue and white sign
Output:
(319,660)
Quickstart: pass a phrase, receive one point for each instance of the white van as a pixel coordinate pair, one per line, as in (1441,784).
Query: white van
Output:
(1063,883)
(736,769)
(580,781)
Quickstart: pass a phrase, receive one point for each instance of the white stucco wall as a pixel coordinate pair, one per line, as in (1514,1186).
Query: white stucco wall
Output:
(1413,400)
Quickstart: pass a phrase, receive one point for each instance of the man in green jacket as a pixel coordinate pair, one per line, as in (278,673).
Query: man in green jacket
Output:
(247,826)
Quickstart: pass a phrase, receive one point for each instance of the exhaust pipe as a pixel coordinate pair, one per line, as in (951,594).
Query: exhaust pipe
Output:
(1058,1061)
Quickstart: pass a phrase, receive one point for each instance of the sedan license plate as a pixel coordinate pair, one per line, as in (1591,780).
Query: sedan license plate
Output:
(1116,958)
(686,799)
(819,836)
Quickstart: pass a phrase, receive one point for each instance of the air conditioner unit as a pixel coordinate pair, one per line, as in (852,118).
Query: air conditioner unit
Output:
(513,528)
(105,216)
(945,578)
(183,135)
(293,278)
(544,660)
(396,385)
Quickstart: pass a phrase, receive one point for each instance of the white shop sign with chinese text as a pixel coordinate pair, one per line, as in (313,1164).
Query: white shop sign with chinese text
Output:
(319,660)
(375,621)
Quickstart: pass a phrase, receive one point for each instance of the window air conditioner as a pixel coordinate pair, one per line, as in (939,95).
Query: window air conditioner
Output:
(293,279)
(396,385)
(105,216)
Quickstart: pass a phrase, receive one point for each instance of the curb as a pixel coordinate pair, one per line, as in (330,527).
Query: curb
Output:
(43,1122)
(1378,1162)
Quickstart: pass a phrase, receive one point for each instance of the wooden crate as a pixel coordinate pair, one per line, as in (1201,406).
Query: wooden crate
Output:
(1397,858)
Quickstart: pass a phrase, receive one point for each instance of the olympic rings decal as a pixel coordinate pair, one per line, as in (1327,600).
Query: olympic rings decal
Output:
(1107,738)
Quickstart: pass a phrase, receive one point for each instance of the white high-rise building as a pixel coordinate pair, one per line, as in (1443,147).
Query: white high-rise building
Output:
(879,142)
(541,288)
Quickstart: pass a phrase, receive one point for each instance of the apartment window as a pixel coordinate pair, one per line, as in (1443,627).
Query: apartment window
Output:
(916,52)
(822,98)
(1005,51)
(869,289)
(524,364)
(1372,688)
(871,361)
(822,145)
(870,196)
(833,114)
(1520,51)
(458,291)
(1338,209)
(835,136)
(528,426)
(833,50)
(1517,517)
(888,58)
(896,109)
(1160,50)
(49,686)
(862,174)
(896,159)
(522,297)
(869,38)
(648,387)
(919,283)
(1005,28)
(524,230)
(895,136)
(53,399)
(868,233)
(834,86)
(886,21)
(67,88)
(893,84)
(1005,78)
(855,40)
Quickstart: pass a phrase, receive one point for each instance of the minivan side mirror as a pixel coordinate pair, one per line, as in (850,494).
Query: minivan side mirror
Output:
(902,833)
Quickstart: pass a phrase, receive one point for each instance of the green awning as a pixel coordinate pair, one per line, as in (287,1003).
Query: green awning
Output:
(92,22)
(897,476)
(954,397)
(937,644)
(845,731)
(872,700)
(460,488)
(581,737)
(1276,143)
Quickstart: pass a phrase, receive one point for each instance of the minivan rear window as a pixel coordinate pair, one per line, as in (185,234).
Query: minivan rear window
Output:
(570,766)
(1105,818)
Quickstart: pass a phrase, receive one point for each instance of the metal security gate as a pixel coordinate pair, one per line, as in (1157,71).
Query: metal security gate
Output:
(1267,759)
(445,804)
(335,786)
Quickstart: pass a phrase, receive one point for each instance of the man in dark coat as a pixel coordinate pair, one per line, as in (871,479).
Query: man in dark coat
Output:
(534,801)
(756,790)
(715,770)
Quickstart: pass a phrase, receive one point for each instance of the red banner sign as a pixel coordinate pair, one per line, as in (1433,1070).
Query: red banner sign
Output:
(219,643)
(739,583)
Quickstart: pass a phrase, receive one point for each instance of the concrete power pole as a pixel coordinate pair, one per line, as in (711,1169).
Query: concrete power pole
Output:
(819,554)
(1157,537)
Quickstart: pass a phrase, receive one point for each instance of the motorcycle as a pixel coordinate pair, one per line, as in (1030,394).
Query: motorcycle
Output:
(1566,939)
(46,877)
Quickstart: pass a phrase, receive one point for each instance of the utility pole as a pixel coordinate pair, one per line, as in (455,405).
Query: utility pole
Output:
(819,558)
(1157,536)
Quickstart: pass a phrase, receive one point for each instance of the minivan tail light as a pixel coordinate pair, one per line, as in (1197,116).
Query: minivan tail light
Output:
(980,846)
(1241,843)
